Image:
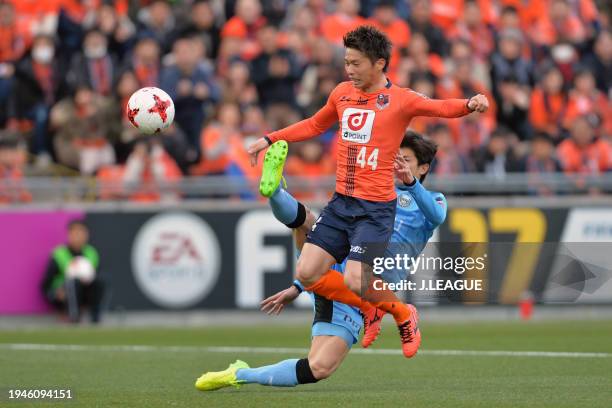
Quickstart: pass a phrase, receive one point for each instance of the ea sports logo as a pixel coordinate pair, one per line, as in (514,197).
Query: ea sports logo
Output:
(357,120)
(175,259)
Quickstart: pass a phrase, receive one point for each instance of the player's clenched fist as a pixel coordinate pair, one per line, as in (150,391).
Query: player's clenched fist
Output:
(478,103)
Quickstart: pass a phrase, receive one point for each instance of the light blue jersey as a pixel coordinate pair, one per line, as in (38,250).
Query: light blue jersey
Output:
(419,212)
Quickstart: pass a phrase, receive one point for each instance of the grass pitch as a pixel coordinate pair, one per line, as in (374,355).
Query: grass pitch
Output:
(103,373)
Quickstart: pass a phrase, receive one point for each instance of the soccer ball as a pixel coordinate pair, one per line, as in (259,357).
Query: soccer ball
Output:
(150,110)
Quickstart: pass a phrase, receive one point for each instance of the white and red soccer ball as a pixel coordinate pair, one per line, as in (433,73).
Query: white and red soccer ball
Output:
(150,110)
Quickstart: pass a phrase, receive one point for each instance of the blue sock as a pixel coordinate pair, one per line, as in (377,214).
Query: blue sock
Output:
(281,374)
(284,206)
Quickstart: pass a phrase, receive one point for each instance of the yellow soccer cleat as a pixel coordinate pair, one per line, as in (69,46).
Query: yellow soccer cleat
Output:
(272,173)
(215,380)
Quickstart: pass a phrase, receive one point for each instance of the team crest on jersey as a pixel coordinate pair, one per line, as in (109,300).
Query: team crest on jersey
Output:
(382,101)
(404,200)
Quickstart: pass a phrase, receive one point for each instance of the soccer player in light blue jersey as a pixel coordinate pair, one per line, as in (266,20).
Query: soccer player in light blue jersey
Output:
(336,325)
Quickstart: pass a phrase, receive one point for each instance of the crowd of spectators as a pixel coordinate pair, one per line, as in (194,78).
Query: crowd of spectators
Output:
(237,69)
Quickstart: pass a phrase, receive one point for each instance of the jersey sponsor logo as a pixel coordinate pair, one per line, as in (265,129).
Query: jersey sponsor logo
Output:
(404,200)
(382,101)
(360,101)
(357,125)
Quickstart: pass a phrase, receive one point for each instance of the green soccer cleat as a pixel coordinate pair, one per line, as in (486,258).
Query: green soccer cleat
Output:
(272,173)
(215,380)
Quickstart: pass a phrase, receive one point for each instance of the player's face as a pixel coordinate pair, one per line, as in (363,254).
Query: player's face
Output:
(416,169)
(360,69)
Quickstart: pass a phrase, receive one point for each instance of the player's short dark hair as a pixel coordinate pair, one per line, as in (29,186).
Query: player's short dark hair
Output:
(424,148)
(371,42)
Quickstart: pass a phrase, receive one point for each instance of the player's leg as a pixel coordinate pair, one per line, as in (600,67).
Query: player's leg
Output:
(326,354)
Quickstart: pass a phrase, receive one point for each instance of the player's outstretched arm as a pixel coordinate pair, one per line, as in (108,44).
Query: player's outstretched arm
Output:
(276,303)
(433,208)
(302,130)
(419,105)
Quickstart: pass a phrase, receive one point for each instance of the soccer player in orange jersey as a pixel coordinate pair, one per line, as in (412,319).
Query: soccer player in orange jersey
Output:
(358,222)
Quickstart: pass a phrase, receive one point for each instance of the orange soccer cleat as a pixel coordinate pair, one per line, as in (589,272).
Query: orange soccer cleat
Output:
(410,333)
(371,325)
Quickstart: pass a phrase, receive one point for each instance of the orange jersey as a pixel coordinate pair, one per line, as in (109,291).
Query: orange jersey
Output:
(372,126)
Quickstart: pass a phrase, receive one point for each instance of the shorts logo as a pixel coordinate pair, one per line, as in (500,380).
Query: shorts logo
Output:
(357,249)
(357,125)
(316,222)
(382,101)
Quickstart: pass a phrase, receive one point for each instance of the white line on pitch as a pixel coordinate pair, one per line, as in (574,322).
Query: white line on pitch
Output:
(290,350)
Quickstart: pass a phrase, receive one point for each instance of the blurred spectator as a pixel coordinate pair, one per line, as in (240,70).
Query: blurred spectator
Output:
(303,36)
(118,29)
(508,61)
(446,13)
(190,83)
(541,159)
(586,99)
(239,32)
(557,24)
(319,78)
(461,84)
(581,153)
(150,173)
(311,162)
(253,125)
(342,21)
(94,66)
(12,46)
(448,161)
(85,127)
(203,23)
(420,22)
(461,50)
(513,107)
(12,158)
(216,141)
(497,157)
(600,62)
(39,83)
(549,104)
(238,86)
(472,28)
(275,72)
(71,280)
(421,61)
(145,62)
(157,21)
(385,18)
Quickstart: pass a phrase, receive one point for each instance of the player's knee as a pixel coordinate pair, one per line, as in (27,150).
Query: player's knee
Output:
(305,272)
(321,369)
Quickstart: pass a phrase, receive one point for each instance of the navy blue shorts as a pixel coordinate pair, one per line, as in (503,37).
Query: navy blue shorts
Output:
(354,228)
